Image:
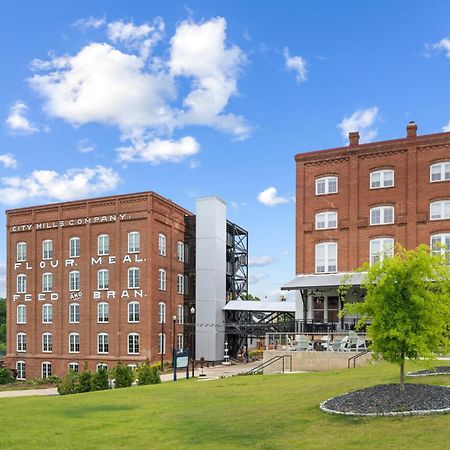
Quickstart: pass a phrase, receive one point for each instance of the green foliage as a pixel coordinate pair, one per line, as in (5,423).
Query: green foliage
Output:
(148,374)
(123,375)
(2,324)
(51,380)
(69,384)
(6,376)
(250,297)
(100,380)
(85,381)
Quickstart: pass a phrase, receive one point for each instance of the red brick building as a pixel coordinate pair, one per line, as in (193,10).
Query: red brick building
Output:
(96,280)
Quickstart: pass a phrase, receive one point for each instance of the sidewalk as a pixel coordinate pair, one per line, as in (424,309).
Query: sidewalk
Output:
(28,392)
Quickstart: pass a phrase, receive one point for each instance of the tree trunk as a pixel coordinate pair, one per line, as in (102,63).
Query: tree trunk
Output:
(402,375)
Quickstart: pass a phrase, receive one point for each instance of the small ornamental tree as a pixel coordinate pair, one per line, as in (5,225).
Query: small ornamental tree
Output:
(407,305)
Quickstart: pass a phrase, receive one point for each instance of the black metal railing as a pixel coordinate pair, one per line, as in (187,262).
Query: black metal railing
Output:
(269,362)
(355,357)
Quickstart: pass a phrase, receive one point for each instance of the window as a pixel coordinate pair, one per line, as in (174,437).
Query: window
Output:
(47,282)
(47,313)
(21,342)
(326,185)
(440,244)
(326,220)
(180,251)
(133,278)
(382,215)
(162,244)
(74,280)
(440,171)
(74,367)
(162,343)
(162,312)
(47,343)
(102,366)
(133,312)
(326,257)
(20,367)
(102,343)
(103,244)
(74,343)
(381,248)
(180,284)
(74,313)
(134,245)
(180,342)
(46,370)
(180,314)
(162,279)
(133,344)
(102,313)
(21,251)
(103,279)
(440,210)
(21,314)
(21,284)
(47,249)
(74,247)
(382,179)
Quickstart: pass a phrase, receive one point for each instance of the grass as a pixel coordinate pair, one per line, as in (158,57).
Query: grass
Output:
(255,412)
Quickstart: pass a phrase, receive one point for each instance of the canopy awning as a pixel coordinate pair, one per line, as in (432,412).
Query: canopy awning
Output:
(322,280)
(263,306)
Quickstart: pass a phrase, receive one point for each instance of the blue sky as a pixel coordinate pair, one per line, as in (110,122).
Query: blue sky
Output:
(199,98)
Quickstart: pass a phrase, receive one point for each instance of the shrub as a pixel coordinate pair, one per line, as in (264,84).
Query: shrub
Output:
(148,374)
(6,376)
(69,384)
(100,380)
(85,381)
(123,375)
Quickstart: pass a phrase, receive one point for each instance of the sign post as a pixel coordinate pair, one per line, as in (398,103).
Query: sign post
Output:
(181,361)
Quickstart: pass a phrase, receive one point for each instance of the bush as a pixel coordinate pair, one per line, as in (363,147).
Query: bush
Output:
(100,380)
(148,374)
(50,380)
(85,381)
(69,384)
(123,375)
(6,376)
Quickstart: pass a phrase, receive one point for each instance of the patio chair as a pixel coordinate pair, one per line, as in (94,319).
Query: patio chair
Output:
(303,343)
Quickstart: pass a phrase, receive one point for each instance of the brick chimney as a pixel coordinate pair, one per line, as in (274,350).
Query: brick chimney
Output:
(411,129)
(353,138)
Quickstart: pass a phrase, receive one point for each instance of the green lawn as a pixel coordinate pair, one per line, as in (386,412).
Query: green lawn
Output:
(254,412)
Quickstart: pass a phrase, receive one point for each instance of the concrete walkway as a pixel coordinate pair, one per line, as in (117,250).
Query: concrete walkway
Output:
(28,392)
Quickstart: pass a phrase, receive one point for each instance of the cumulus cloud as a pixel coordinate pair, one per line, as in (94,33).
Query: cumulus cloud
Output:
(85,146)
(8,161)
(51,185)
(255,278)
(89,22)
(446,127)
(443,44)
(260,261)
(17,121)
(362,120)
(296,64)
(269,197)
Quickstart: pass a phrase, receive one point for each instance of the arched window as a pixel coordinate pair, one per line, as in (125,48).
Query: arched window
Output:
(326,185)
(21,373)
(74,367)
(103,245)
(47,313)
(47,342)
(133,344)
(133,278)
(440,210)
(47,282)
(103,279)
(101,366)
(46,369)
(162,343)
(180,314)
(103,312)
(440,171)
(180,283)
(180,342)
(440,244)
(134,242)
(382,215)
(74,343)
(22,251)
(74,280)
(162,312)
(21,284)
(326,257)
(162,278)
(133,312)
(381,179)
(381,248)
(326,220)
(47,249)
(74,247)
(102,343)
(74,313)
(180,251)
(162,244)
(21,314)
(21,341)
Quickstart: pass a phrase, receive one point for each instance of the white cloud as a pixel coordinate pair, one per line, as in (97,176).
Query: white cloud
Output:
(362,120)
(158,150)
(260,261)
(443,44)
(89,22)
(85,146)
(51,185)
(277,294)
(17,121)
(255,278)
(8,161)
(269,197)
(194,164)
(446,127)
(297,64)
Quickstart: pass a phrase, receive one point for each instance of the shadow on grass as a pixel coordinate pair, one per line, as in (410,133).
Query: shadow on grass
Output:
(84,410)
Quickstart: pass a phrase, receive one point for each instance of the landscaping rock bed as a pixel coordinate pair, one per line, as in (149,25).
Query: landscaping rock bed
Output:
(387,399)
(441,370)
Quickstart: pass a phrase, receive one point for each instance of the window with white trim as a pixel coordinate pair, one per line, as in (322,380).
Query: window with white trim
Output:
(103,245)
(21,284)
(133,312)
(180,283)
(101,366)
(133,344)
(440,171)
(326,257)
(162,244)
(47,313)
(381,248)
(162,343)
(21,372)
(47,249)
(180,314)
(46,369)
(47,342)
(74,313)
(381,179)
(21,251)
(381,215)
(21,341)
(161,312)
(47,282)
(74,247)
(74,280)
(103,312)
(134,278)
(74,343)
(21,314)
(440,244)
(134,242)
(103,279)
(162,279)
(326,185)
(326,220)
(74,367)
(180,342)
(102,343)
(440,210)
(180,251)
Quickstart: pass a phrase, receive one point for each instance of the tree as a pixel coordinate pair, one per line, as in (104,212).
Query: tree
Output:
(2,324)
(407,305)
(250,297)
(123,375)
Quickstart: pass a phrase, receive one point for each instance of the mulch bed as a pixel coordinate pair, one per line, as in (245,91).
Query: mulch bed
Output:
(441,370)
(387,399)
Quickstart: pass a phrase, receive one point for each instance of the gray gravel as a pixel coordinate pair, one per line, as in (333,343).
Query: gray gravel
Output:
(434,371)
(388,398)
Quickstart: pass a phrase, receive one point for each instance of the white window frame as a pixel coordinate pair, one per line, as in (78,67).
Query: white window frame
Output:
(21,342)
(21,314)
(47,313)
(442,172)
(134,343)
(134,242)
(47,373)
(162,279)
(385,243)
(444,209)
(21,251)
(162,343)
(134,278)
(47,249)
(103,312)
(21,283)
(327,180)
(162,244)
(47,282)
(442,250)
(180,314)
(47,342)
(326,258)
(74,312)
(74,247)
(100,366)
(180,251)
(382,209)
(383,175)
(21,372)
(74,280)
(103,342)
(103,245)
(180,284)
(74,367)
(180,342)
(134,312)
(103,279)
(326,217)
(74,342)
(162,312)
